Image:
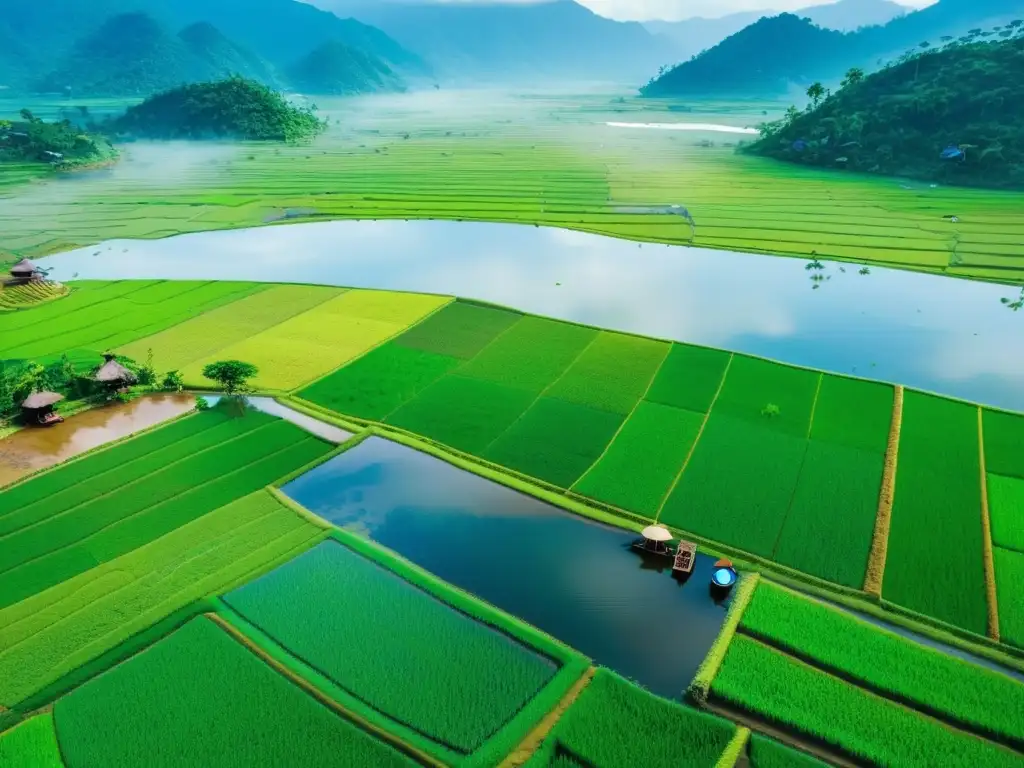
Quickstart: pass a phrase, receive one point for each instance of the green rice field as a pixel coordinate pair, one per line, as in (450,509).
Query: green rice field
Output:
(766,753)
(199,698)
(74,525)
(407,655)
(790,693)
(614,724)
(31,744)
(976,698)
(531,159)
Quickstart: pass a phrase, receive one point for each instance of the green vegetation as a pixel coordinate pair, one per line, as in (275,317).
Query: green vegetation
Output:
(60,144)
(555,440)
(853,413)
(752,383)
(1009,568)
(934,563)
(901,120)
(232,375)
(1004,443)
(99,316)
(790,693)
(700,686)
(31,744)
(199,698)
(50,542)
(407,655)
(71,625)
(25,296)
(615,724)
(611,374)
(689,378)
(1006,508)
(767,753)
(639,467)
(232,108)
(460,330)
(978,699)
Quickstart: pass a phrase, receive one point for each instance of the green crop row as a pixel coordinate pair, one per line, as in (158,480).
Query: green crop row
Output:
(983,700)
(768,753)
(199,698)
(689,378)
(934,563)
(106,527)
(56,631)
(406,654)
(143,309)
(789,693)
(1004,443)
(460,330)
(616,724)
(1006,510)
(1009,568)
(31,744)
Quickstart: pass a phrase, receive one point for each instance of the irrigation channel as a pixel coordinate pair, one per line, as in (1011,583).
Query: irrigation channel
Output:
(577,580)
(930,332)
(36,448)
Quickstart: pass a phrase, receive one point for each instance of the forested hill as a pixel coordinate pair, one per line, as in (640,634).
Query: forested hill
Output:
(223,57)
(773,54)
(765,58)
(952,115)
(515,42)
(336,69)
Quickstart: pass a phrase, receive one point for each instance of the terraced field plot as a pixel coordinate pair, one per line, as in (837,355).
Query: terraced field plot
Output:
(67,521)
(406,651)
(934,564)
(1009,571)
(71,624)
(976,699)
(777,687)
(101,316)
(549,161)
(200,698)
(614,724)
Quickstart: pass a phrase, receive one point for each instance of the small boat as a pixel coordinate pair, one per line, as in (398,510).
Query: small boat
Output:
(723,577)
(655,541)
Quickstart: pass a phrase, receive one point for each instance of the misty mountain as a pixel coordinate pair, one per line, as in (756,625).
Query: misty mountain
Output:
(278,31)
(336,69)
(691,36)
(129,55)
(753,62)
(515,42)
(222,57)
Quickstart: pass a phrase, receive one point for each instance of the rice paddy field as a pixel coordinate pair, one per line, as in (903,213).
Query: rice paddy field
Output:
(528,158)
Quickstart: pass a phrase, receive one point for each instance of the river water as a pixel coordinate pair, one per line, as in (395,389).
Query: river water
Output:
(577,580)
(926,331)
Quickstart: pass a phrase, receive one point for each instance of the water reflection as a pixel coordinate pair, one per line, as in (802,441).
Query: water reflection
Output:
(579,581)
(926,331)
(35,448)
(322,429)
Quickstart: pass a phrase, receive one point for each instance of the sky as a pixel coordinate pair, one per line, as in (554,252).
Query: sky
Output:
(644,10)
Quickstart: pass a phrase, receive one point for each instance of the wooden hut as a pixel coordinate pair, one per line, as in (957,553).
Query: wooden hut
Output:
(25,272)
(686,555)
(38,408)
(655,540)
(113,374)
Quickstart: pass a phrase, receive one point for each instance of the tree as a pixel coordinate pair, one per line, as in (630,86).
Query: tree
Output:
(815,93)
(853,76)
(232,375)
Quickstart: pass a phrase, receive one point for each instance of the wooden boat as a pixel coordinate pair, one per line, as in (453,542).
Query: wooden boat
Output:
(686,556)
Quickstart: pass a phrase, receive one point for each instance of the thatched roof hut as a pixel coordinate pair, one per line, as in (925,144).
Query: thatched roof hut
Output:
(112,372)
(38,400)
(25,270)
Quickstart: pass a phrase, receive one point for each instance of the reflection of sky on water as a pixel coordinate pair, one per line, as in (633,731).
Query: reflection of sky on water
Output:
(577,580)
(941,334)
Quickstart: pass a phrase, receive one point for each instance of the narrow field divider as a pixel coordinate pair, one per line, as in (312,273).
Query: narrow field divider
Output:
(379,733)
(700,687)
(986,539)
(886,496)
(735,748)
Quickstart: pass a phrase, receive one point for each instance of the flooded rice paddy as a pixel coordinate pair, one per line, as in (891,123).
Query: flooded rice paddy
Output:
(577,580)
(36,448)
(704,127)
(930,332)
(269,405)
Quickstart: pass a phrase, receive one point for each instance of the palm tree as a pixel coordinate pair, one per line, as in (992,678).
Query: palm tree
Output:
(853,76)
(815,94)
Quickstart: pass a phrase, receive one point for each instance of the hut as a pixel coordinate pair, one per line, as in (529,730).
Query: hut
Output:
(655,539)
(114,375)
(686,555)
(38,408)
(25,272)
